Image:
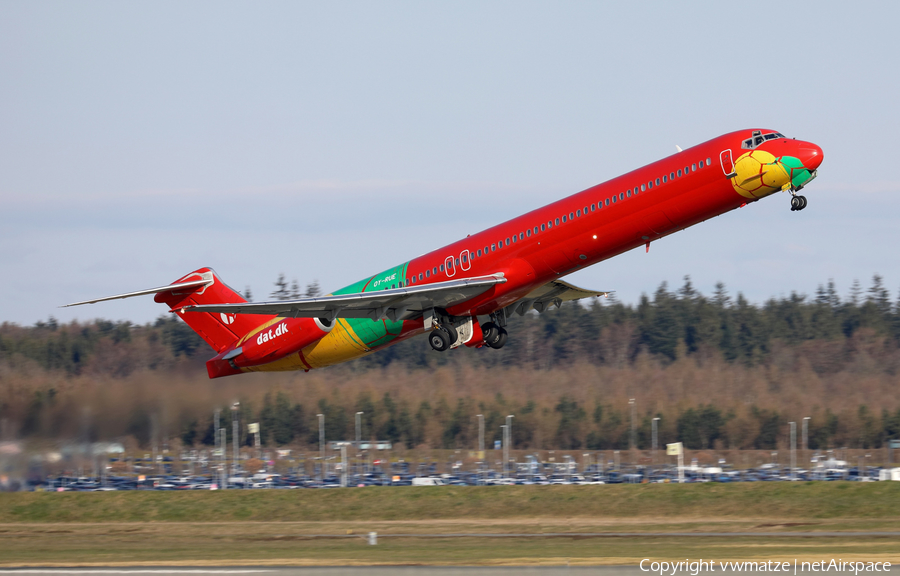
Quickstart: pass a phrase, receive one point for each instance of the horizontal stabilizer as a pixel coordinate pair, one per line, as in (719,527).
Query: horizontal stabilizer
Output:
(169,288)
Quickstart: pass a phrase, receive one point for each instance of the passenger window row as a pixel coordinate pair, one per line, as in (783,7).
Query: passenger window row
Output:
(494,246)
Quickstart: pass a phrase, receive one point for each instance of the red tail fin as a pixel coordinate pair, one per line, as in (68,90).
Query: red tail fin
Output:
(218,330)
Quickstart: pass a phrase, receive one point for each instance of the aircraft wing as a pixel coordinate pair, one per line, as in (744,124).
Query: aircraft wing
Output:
(395,304)
(553,292)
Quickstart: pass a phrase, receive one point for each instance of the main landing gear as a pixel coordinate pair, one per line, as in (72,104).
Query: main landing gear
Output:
(443,336)
(798,203)
(494,336)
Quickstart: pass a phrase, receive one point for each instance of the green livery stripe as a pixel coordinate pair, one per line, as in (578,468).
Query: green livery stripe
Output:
(374,333)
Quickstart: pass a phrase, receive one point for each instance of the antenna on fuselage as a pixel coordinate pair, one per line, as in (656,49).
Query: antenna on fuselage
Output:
(678,148)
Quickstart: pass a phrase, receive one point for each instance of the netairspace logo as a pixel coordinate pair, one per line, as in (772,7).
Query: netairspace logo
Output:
(695,567)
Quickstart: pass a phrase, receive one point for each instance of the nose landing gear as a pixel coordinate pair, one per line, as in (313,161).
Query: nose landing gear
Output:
(798,203)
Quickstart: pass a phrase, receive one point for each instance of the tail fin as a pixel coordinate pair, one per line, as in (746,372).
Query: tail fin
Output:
(218,330)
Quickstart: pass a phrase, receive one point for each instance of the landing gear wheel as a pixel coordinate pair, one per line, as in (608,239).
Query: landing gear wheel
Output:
(451,332)
(798,203)
(489,333)
(501,339)
(439,340)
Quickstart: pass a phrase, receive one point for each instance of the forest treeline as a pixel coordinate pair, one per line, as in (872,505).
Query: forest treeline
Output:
(717,370)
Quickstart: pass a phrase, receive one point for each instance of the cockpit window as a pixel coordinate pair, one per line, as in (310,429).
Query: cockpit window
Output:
(758,138)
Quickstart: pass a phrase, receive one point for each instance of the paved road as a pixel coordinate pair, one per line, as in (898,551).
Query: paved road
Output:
(370,571)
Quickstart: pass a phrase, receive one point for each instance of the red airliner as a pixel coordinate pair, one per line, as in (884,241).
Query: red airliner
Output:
(463,293)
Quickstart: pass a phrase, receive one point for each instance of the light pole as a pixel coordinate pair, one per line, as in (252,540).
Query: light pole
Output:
(235,434)
(633,433)
(358,438)
(216,426)
(223,459)
(321,445)
(793,448)
(655,438)
(481,445)
(508,436)
(505,447)
(806,440)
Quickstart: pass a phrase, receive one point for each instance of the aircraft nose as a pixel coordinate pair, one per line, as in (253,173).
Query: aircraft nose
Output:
(811,156)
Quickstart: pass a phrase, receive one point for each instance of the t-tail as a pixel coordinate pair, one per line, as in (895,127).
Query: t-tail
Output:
(242,342)
(220,330)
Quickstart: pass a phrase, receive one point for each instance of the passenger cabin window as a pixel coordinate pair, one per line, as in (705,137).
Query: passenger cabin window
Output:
(657,181)
(628,193)
(564,218)
(528,233)
(578,212)
(442,267)
(693,167)
(614,198)
(571,215)
(643,187)
(700,164)
(427,273)
(479,251)
(543,227)
(493,247)
(671,175)
(606,202)
(679,172)
(434,270)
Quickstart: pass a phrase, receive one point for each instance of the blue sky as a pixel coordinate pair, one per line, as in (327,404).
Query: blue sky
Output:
(330,141)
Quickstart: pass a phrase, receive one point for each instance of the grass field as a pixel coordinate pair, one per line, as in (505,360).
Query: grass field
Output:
(415,524)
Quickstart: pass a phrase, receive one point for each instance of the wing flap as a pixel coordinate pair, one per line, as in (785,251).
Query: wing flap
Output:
(553,292)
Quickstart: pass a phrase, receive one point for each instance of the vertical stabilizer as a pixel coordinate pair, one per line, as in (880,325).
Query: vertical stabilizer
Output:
(219,330)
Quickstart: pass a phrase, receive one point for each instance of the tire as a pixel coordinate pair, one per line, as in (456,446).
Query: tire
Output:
(502,337)
(489,333)
(803,203)
(451,332)
(795,203)
(439,340)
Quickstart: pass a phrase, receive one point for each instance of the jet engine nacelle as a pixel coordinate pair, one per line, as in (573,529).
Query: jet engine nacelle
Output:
(272,341)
